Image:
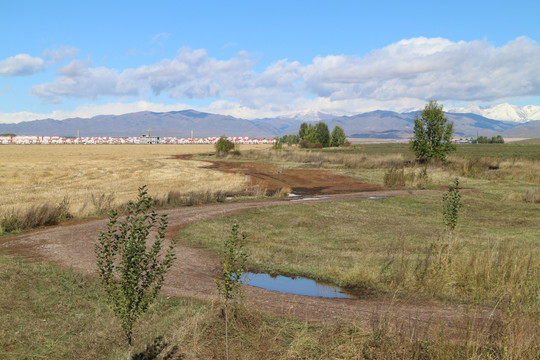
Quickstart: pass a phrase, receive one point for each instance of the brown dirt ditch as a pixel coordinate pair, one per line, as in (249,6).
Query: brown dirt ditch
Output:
(304,182)
(71,245)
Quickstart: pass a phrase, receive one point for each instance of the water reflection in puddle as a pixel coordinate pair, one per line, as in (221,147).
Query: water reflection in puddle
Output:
(296,286)
(311,198)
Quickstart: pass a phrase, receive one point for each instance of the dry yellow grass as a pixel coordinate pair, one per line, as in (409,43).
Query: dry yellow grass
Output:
(38,174)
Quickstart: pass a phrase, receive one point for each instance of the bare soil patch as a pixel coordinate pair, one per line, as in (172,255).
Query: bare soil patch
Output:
(300,181)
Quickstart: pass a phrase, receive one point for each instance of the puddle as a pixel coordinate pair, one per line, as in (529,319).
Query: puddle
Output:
(292,195)
(296,286)
(375,197)
(311,198)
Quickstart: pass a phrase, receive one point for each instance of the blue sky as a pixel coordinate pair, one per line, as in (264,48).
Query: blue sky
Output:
(264,58)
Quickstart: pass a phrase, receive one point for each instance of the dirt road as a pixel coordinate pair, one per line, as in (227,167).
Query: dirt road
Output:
(71,245)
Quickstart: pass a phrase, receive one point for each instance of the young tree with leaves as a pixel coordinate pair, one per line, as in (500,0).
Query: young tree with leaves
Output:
(132,272)
(230,280)
(432,134)
(451,205)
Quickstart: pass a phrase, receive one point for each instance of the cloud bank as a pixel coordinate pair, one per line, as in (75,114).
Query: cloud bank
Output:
(400,76)
(20,65)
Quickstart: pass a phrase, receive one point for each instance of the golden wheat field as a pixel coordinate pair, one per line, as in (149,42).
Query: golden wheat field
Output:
(85,175)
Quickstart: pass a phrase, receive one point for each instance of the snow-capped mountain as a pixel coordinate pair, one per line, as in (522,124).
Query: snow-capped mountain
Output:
(308,115)
(503,112)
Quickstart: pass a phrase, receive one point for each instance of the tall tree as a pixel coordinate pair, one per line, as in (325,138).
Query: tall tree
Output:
(432,134)
(338,137)
(303,131)
(323,134)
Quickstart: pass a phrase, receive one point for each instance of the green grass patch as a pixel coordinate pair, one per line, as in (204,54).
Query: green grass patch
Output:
(51,313)
(396,244)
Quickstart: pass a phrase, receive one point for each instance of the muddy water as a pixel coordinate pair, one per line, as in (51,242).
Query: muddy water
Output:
(296,286)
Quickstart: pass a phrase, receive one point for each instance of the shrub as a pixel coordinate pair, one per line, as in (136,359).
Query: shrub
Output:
(228,284)
(223,146)
(451,205)
(131,274)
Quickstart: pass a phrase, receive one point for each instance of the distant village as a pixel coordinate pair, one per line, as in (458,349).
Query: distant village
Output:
(143,139)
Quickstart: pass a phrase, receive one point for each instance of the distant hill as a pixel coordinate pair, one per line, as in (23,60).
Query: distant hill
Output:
(174,123)
(375,124)
(530,129)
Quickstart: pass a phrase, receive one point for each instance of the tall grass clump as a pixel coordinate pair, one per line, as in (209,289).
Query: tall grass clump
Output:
(400,178)
(35,216)
(190,198)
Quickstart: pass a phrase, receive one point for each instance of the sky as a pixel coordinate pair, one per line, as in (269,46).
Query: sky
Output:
(255,59)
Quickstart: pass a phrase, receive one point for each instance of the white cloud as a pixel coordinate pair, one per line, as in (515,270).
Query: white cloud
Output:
(20,65)
(56,55)
(399,76)
(431,68)
(161,37)
(78,81)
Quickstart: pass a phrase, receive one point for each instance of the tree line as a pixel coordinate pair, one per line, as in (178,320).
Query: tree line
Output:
(316,136)
(485,140)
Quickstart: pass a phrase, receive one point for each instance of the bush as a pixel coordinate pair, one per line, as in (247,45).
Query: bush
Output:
(223,146)
(306,144)
(452,205)
(131,271)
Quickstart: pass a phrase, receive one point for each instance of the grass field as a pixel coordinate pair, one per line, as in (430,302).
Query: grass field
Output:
(393,247)
(50,313)
(88,180)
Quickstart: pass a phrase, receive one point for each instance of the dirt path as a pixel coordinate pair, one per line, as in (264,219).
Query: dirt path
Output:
(71,245)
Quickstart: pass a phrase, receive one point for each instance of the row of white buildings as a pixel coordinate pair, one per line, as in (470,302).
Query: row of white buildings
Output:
(90,140)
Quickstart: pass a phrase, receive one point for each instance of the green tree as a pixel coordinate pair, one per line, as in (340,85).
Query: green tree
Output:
(338,137)
(230,280)
(432,134)
(303,131)
(277,145)
(223,145)
(311,135)
(323,134)
(290,139)
(131,271)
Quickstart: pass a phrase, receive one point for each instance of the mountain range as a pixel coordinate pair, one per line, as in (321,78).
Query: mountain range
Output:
(504,112)
(187,123)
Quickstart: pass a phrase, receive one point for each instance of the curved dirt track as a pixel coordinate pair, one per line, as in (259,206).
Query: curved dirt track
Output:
(71,245)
